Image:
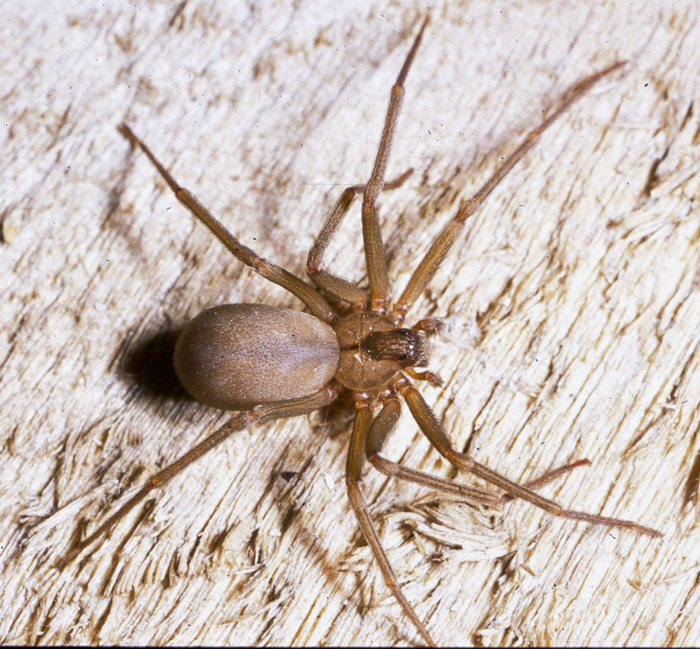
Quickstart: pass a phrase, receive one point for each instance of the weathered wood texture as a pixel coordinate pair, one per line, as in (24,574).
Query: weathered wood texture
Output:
(573,304)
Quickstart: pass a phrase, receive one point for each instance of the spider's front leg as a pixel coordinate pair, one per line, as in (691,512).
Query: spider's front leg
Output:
(443,243)
(371,232)
(368,437)
(337,286)
(364,426)
(433,430)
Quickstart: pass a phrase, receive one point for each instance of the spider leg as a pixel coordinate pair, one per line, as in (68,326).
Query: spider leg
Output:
(353,479)
(384,425)
(392,469)
(330,282)
(433,430)
(276,274)
(371,233)
(368,437)
(445,240)
(257,415)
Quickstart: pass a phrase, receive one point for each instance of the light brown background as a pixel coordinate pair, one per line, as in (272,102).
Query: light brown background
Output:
(573,312)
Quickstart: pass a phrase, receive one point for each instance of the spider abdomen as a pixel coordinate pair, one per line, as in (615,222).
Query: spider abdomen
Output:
(236,356)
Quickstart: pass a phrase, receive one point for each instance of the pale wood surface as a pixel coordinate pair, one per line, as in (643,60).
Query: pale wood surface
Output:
(573,305)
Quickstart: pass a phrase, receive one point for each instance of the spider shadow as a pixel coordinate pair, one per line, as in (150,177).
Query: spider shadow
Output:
(149,364)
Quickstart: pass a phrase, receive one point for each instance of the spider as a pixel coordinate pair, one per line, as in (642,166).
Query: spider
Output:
(272,363)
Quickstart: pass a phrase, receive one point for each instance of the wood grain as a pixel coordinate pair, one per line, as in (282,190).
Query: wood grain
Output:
(572,304)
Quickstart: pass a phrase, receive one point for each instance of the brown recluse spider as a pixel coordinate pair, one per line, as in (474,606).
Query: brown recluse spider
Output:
(272,363)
